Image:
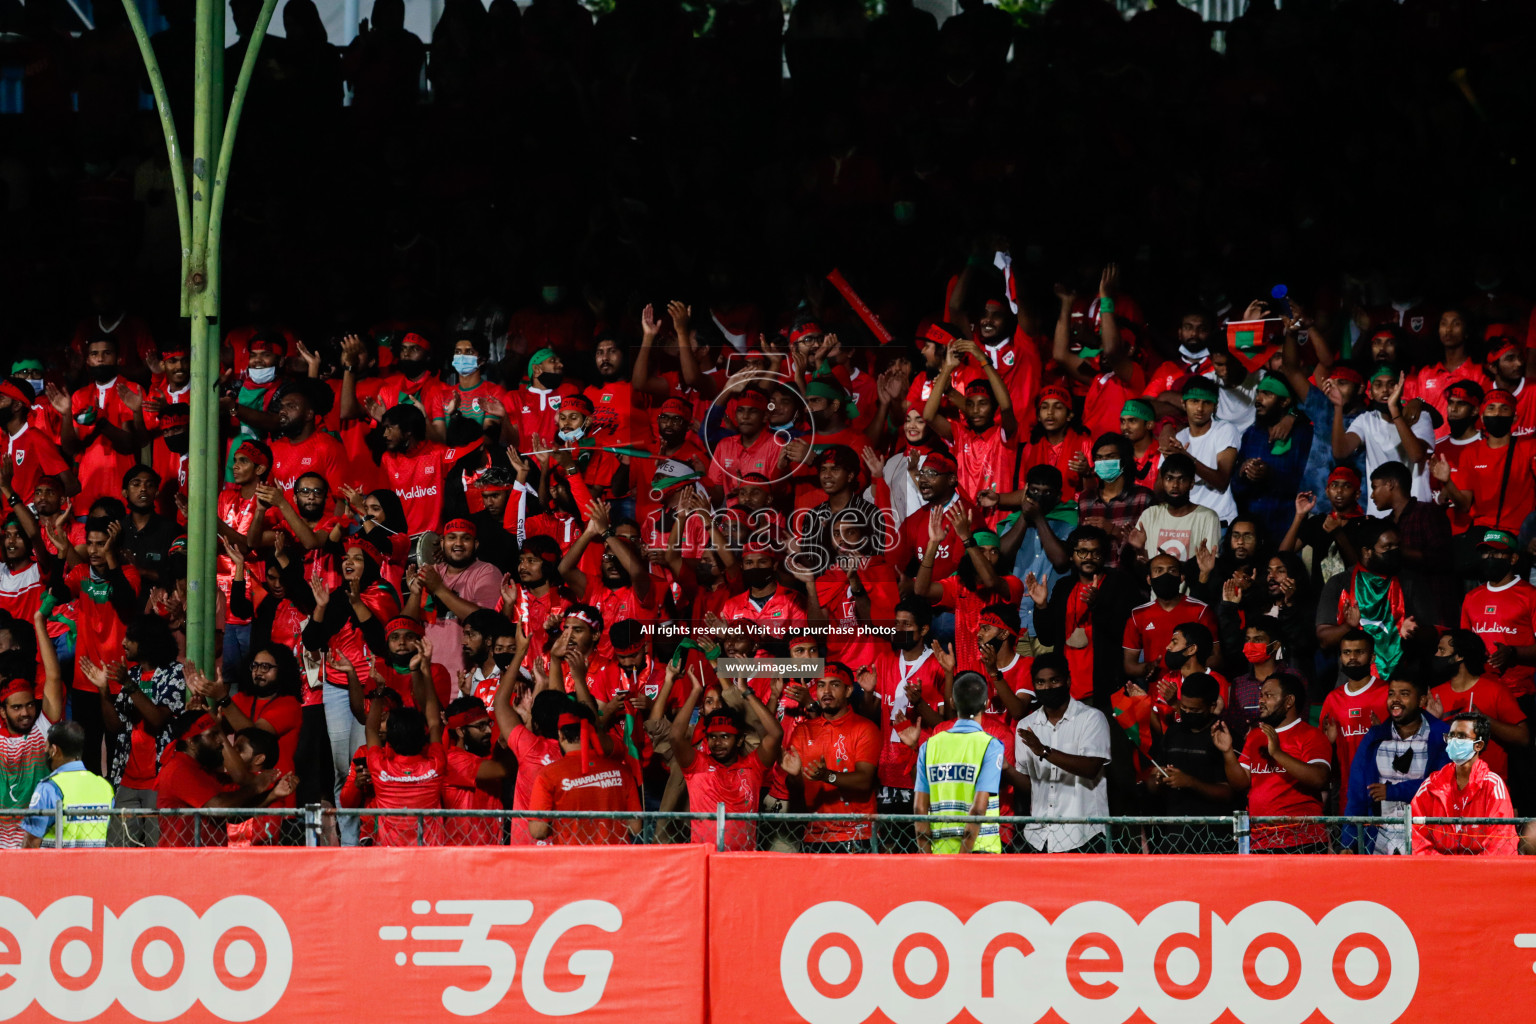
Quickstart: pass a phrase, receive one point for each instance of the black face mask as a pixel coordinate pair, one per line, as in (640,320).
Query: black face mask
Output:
(1387,564)
(1443,668)
(550,381)
(1497,426)
(102,374)
(1195,723)
(1166,587)
(1355,673)
(412,368)
(1459,424)
(502,659)
(903,640)
(401,662)
(1494,568)
(1175,659)
(1054,697)
(178,443)
(755,578)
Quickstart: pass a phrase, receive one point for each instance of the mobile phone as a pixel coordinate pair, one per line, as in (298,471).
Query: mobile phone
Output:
(359,762)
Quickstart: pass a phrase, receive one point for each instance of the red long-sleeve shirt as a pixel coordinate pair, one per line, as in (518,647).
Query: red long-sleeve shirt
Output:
(1484,797)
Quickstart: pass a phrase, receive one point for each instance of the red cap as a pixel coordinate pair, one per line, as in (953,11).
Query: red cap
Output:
(1345,473)
(721,723)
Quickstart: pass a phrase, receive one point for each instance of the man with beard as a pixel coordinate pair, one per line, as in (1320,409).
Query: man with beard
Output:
(751,450)
(1150,628)
(240,515)
(475,777)
(725,772)
(1505,364)
(1283,768)
(1006,670)
(1012,352)
(765,601)
(168,450)
(620,414)
(1503,612)
(24,740)
(936,483)
(1191,781)
(911,684)
(415,467)
(97,428)
(306,523)
(491,488)
(675,441)
(28,449)
(1084,616)
(1063,748)
(577,420)
(1354,706)
(1459,663)
(298,445)
(1332,537)
(985,436)
(412,382)
(483,662)
(1269,472)
(974,584)
(1194,358)
(175,387)
(832,761)
(624,589)
(829,406)
(21,577)
(1392,762)
(537,601)
(211,769)
(1378,597)
(534,404)
(1497,487)
(1424,535)
(1178,526)
(147,535)
(1453,453)
(443,595)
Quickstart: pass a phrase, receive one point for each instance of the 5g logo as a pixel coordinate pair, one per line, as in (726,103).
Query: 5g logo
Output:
(1095,964)
(156,958)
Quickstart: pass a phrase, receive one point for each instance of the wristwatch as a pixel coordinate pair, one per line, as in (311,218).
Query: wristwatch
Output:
(831,778)
(1045,755)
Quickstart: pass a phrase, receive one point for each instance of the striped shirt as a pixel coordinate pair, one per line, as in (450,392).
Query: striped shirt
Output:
(23,764)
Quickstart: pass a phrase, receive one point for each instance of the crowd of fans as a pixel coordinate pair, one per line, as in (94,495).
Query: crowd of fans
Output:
(1228,524)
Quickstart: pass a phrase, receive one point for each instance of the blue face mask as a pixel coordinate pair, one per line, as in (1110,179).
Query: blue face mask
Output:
(466,363)
(571,435)
(1460,749)
(37,386)
(1107,469)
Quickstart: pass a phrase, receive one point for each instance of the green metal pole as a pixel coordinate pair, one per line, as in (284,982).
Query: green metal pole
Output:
(213,468)
(202,501)
(172,144)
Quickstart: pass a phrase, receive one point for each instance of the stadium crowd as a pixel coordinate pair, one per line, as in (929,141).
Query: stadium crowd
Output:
(1176,549)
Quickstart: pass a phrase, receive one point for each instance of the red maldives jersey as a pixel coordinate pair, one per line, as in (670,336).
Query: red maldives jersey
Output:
(1273,793)
(566,786)
(417,477)
(362,471)
(1482,471)
(473,403)
(1017,360)
(643,473)
(533,411)
(1484,797)
(531,612)
(383,604)
(922,387)
(734,459)
(984,460)
(1170,376)
(897,767)
(1492,699)
(620,414)
(1046,452)
(840,743)
(165,397)
(462,793)
(98,630)
(183,782)
(914,538)
(782,611)
(394,389)
(408,783)
(1151,626)
(400,682)
(1525,410)
(857,649)
(1504,615)
(736,785)
(237,512)
(532,754)
(284,714)
(1017,676)
(169,465)
(100,467)
(21,593)
(1429,383)
(1107,395)
(1354,714)
(968,604)
(1460,456)
(33,455)
(321,454)
(616,605)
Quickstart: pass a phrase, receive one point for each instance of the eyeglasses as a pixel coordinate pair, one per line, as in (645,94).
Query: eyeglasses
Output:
(309,490)
(264,666)
(931,474)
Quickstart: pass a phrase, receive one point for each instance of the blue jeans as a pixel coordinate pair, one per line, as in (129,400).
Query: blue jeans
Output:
(237,646)
(346,735)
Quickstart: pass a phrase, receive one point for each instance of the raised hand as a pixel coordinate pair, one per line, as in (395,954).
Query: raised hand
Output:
(649,325)
(874,462)
(1109,281)
(1136,537)
(1306,501)
(682,317)
(1440,467)
(597,517)
(1435,706)
(945,657)
(790,762)
(1220,737)
(1205,558)
(311,359)
(1036,588)
(130,396)
(58,399)
(936,528)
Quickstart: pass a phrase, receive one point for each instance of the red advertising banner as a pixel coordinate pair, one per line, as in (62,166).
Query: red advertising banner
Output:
(390,936)
(1110,940)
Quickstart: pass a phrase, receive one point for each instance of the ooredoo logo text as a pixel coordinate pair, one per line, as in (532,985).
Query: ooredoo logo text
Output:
(1095,964)
(155,958)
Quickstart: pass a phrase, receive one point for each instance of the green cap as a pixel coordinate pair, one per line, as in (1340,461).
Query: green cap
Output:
(27,363)
(1503,540)
(1138,409)
(985,539)
(1383,371)
(1276,386)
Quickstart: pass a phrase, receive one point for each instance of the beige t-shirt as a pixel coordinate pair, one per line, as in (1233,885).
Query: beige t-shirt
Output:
(1179,536)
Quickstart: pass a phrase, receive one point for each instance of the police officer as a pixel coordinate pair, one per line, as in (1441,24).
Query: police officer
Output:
(71,786)
(959,772)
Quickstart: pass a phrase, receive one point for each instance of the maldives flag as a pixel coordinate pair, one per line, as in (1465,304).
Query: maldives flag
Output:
(1253,341)
(1134,715)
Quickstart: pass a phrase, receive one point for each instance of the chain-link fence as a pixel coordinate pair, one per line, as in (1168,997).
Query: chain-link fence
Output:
(808,833)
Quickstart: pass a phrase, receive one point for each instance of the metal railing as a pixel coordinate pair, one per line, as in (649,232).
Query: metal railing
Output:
(318,825)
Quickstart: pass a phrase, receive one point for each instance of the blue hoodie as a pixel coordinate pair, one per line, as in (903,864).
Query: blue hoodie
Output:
(1363,774)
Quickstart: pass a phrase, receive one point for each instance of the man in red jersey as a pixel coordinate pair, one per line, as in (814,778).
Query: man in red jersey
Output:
(936,483)
(624,588)
(985,437)
(411,382)
(584,779)
(753,449)
(833,759)
(30,452)
(620,414)
(97,424)
(1495,479)
(912,684)
(765,601)
(1505,360)
(1465,788)
(1151,625)
(410,769)
(534,404)
(725,772)
(241,517)
(208,770)
(1283,768)
(415,467)
(475,776)
(1503,612)
(530,727)
(1354,706)
(537,601)
(1460,661)
(298,445)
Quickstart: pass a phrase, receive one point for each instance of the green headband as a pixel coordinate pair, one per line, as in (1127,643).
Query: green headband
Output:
(1202,391)
(1384,371)
(822,389)
(543,355)
(27,364)
(1275,386)
(1137,409)
(985,539)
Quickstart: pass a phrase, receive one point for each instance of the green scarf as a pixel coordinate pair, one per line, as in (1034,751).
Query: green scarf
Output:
(1381,608)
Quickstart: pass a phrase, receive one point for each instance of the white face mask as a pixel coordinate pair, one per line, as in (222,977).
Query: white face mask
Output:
(466,363)
(263,375)
(571,435)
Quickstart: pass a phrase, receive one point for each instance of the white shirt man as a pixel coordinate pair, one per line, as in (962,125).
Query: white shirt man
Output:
(1053,754)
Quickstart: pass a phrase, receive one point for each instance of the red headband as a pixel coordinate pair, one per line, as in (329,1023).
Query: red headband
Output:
(839,672)
(939,463)
(938,335)
(804,330)
(1348,373)
(589,745)
(204,724)
(16,686)
(460,526)
(406,623)
(365,545)
(469,717)
(1499,395)
(576,613)
(752,399)
(1057,392)
(179,352)
(1496,354)
(12,392)
(722,724)
(256,455)
(634,648)
(995,621)
(412,338)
